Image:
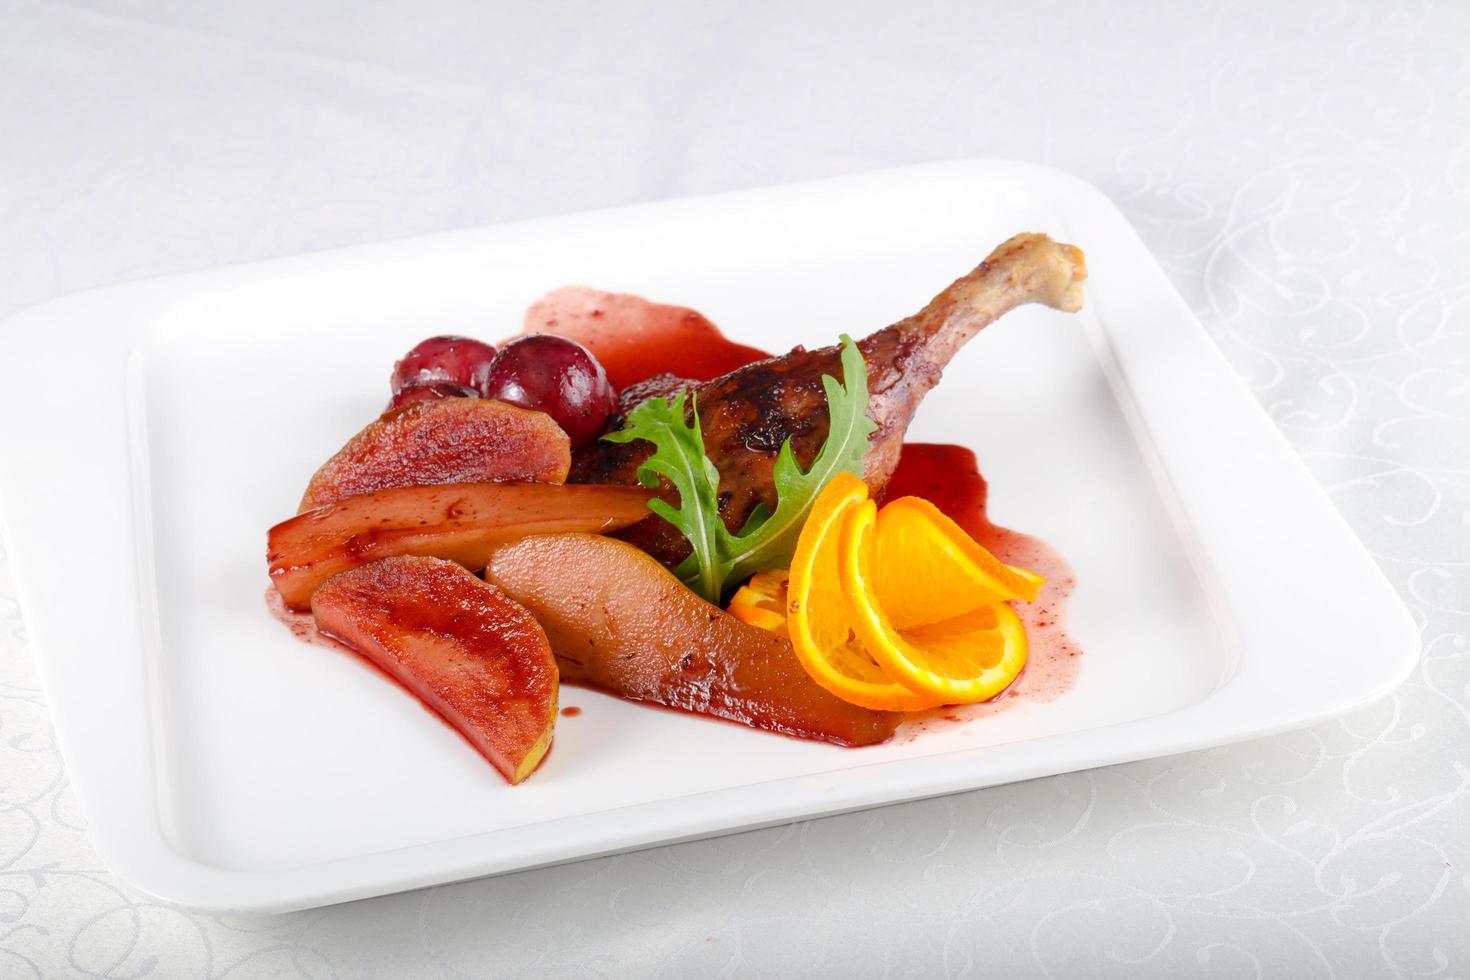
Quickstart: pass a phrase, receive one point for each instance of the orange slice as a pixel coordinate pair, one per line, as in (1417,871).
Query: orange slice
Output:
(962,655)
(927,568)
(762,601)
(817,614)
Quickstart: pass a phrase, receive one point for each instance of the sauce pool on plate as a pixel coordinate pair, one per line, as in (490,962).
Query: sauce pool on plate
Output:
(635,338)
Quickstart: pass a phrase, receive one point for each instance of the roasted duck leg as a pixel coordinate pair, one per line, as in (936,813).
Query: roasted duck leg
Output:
(747,414)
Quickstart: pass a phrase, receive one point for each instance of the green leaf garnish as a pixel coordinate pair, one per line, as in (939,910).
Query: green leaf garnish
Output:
(769,537)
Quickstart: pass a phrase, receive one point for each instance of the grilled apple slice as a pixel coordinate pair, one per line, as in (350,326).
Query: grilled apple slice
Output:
(462,647)
(619,620)
(453,440)
(457,521)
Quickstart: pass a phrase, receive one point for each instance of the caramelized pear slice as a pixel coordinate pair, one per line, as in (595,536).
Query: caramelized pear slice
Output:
(453,440)
(457,521)
(462,647)
(619,620)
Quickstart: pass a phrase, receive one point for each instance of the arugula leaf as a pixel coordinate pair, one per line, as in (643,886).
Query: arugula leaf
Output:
(769,537)
(679,457)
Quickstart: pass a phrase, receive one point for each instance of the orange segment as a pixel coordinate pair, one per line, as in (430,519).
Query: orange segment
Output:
(757,616)
(926,568)
(762,601)
(960,657)
(817,615)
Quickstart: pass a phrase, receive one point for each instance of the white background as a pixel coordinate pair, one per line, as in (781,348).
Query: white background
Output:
(1301,170)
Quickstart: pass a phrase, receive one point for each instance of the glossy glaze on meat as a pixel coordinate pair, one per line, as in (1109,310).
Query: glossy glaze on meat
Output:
(747,414)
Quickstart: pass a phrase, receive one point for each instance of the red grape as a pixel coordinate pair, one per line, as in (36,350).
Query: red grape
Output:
(556,376)
(447,358)
(428,391)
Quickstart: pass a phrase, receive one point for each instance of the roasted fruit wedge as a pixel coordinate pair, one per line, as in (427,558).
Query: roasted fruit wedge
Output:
(453,440)
(462,647)
(458,521)
(619,620)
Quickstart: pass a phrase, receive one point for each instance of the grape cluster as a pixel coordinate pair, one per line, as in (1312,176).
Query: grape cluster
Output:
(542,372)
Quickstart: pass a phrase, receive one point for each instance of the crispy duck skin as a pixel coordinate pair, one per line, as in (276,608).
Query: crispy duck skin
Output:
(747,414)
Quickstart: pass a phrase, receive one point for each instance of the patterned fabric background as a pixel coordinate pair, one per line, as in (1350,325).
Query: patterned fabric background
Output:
(1302,170)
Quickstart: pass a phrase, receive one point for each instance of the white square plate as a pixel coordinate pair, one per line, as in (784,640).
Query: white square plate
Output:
(224,765)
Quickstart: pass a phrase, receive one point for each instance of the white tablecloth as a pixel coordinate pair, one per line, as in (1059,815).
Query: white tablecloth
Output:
(1302,170)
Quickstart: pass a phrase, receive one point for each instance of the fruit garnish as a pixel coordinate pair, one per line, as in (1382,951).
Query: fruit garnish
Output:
(553,375)
(926,568)
(762,601)
(445,358)
(619,620)
(463,647)
(959,640)
(768,538)
(455,440)
(970,644)
(460,522)
(817,613)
